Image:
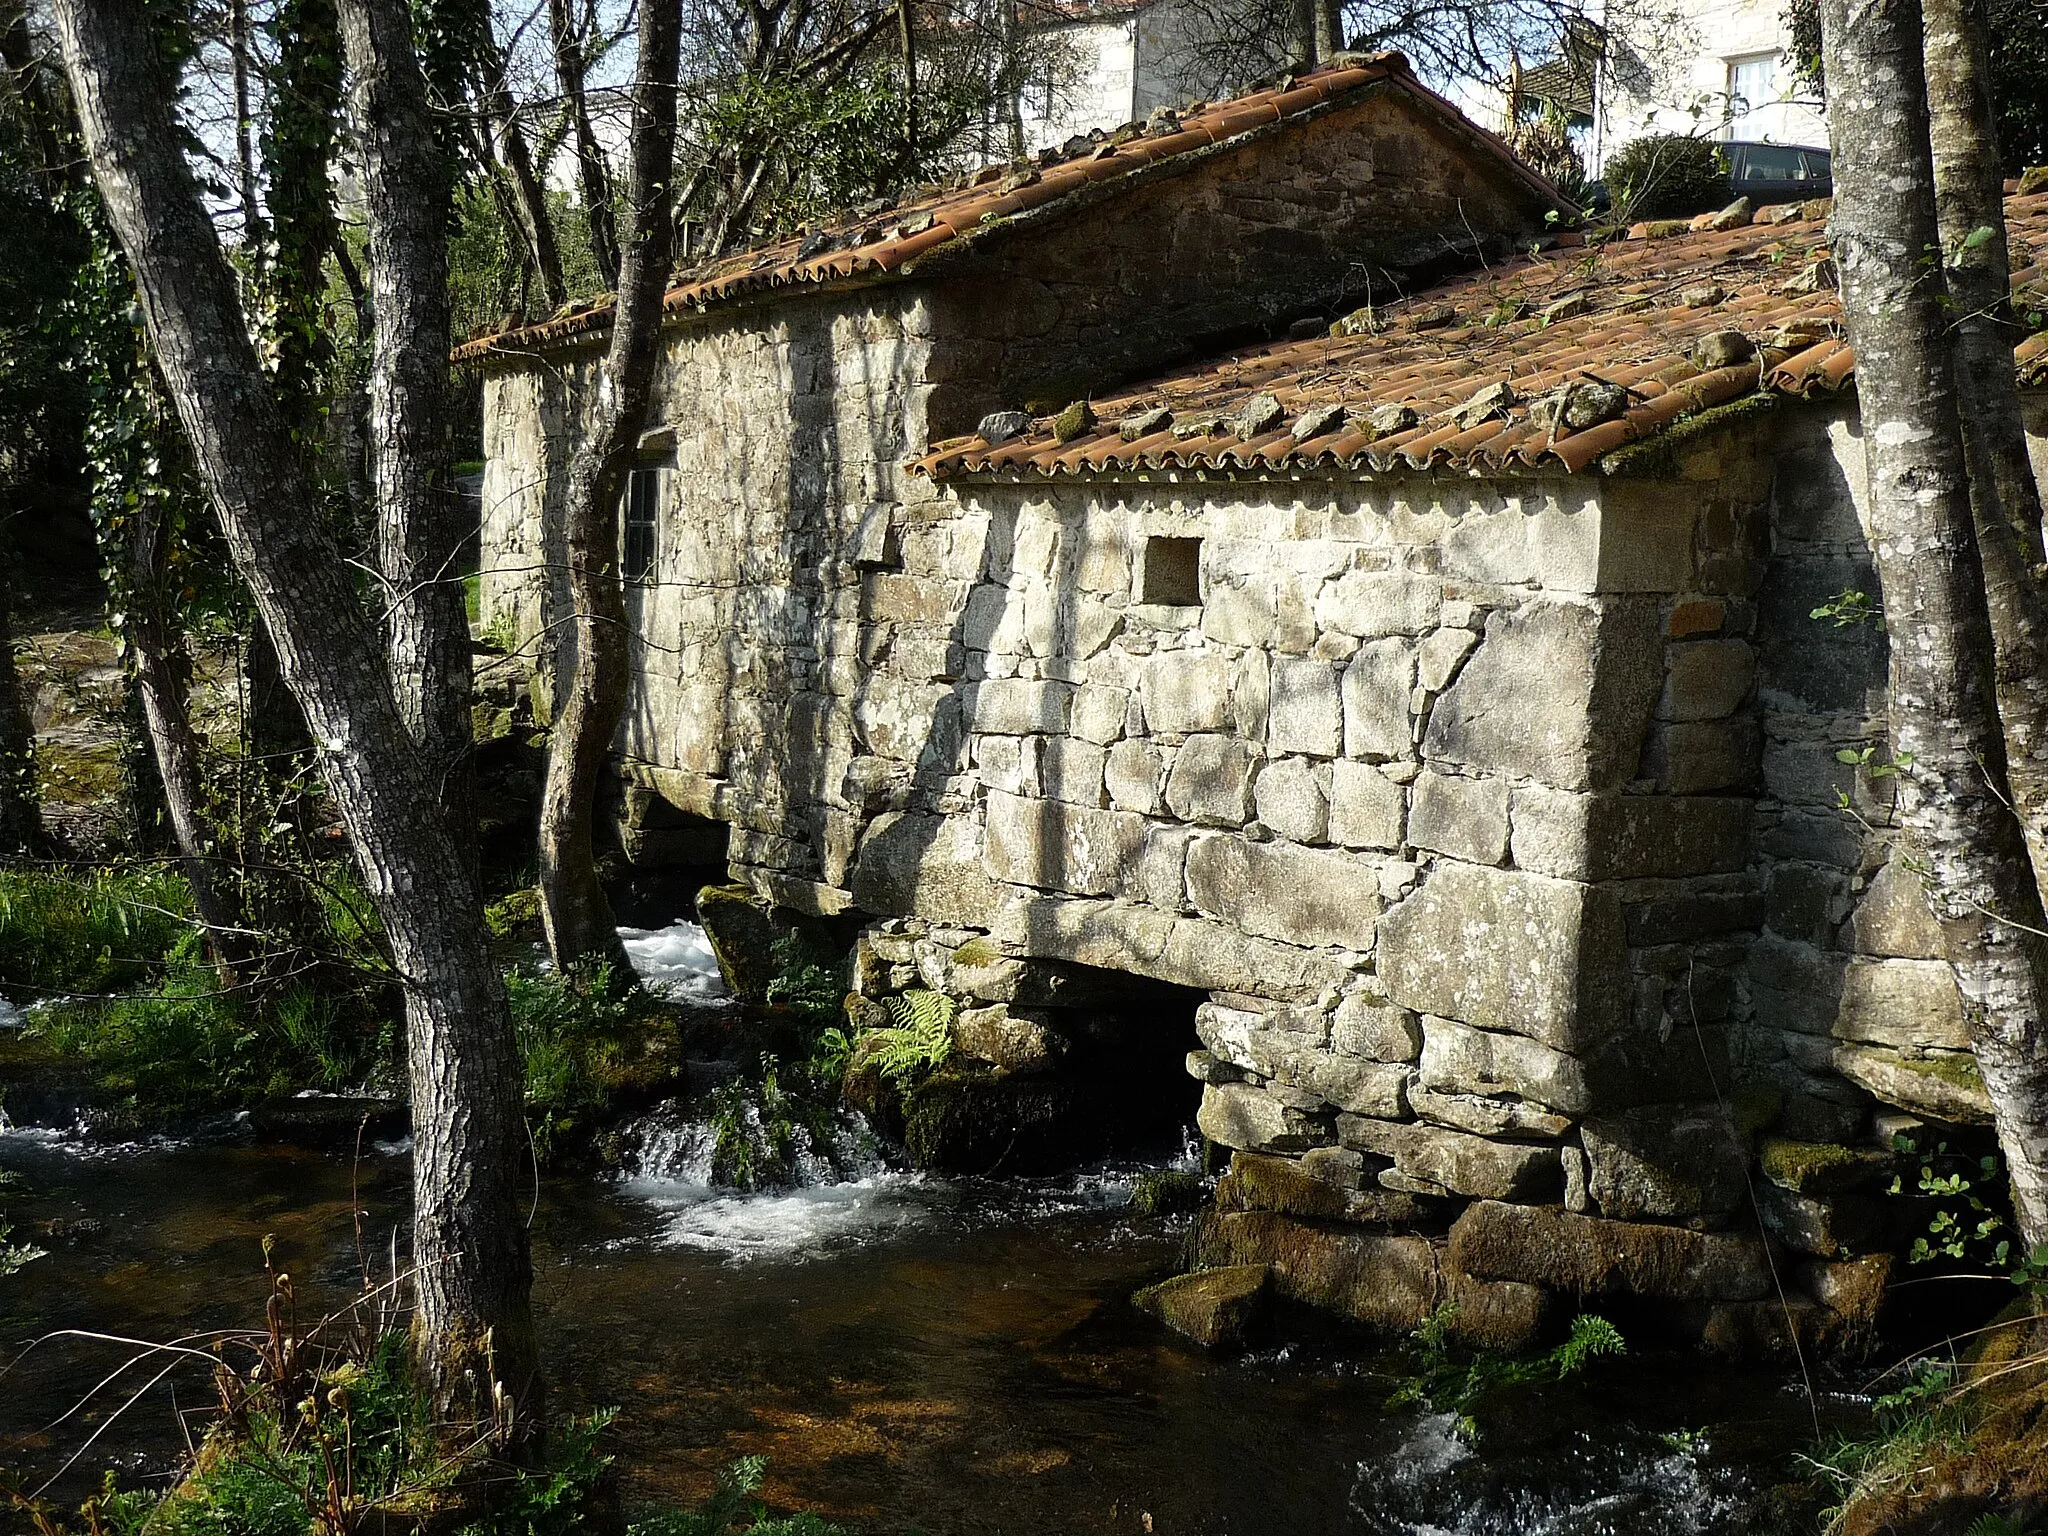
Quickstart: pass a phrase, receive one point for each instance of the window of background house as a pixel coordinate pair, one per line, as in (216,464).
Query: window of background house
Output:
(1752,83)
(1041,94)
(1170,572)
(642,522)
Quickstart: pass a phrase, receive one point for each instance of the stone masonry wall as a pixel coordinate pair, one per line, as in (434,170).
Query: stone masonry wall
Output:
(779,457)
(1851,997)
(798,613)
(1499,822)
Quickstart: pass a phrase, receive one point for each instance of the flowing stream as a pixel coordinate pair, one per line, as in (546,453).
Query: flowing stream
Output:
(911,1353)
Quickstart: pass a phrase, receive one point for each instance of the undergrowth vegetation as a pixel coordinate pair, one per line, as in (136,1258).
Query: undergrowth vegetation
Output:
(1924,1421)
(1968,1419)
(187,1047)
(95,931)
(590,1045)
(129,991)
(13,1256)
(1450,1378)
(325,1432)
(810,977)
(915,1043)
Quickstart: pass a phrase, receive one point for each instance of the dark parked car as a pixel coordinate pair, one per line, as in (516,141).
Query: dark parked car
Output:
(1778,173)
(1763,173)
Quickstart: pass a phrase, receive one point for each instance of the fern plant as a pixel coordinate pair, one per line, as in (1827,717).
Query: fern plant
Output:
(1459,1382)
(916,1043)
(810,977)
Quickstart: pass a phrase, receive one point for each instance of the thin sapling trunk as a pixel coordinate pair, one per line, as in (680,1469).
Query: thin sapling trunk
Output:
(592,685)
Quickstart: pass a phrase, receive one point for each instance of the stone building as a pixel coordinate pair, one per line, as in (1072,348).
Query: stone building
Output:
(1436,694)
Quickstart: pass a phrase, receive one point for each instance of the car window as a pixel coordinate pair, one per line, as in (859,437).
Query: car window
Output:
(1819,167)
(1770,162)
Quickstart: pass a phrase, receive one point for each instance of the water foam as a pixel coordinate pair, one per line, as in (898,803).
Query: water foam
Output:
(833,1192)
(675,961)
(1583,1483)
(789,1224)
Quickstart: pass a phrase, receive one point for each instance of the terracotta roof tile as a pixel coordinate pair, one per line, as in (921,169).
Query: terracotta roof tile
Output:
(866,245)
(1636,331)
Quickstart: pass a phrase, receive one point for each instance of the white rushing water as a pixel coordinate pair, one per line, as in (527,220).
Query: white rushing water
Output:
(675,961)
(834,1195)
(1589,1483)
(11,1017)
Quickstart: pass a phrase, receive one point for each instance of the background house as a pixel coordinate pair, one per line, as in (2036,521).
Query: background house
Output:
(1106,62)
(1723,67)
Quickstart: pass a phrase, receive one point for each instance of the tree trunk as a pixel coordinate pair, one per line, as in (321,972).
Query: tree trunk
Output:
(473,1326)
(591,689)
(1306,17)
(1329,29)
(407,189)
(906,43)
(591,174)
(245,145)
(18,49)
(1946,739)
(1012,77)
(508,140)
(21,813)
(1969,195)
(1970,206)
(161,673)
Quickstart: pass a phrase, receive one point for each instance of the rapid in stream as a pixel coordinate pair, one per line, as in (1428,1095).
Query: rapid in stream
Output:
(951,1356)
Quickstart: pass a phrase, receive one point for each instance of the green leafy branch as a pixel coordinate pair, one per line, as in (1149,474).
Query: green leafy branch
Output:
(1850,608)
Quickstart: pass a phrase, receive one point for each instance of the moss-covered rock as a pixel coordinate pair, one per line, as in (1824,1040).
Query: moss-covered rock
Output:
(742,933)
(1754,1108)
(1219,1309)
(964,1120)
(1391,1282)
(1817,1167)
(328,1119)
(1168,1192)
(1258,1182)
(1959,1458)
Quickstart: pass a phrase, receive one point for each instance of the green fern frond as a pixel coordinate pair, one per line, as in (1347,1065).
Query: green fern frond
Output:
(918,1042)
(923,1012)
(1590,1338)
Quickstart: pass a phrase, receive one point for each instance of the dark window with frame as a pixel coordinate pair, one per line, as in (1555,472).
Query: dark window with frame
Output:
(643,513)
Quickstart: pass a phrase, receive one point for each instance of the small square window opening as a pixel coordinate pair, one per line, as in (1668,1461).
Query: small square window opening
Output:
(1170,572)
(642,525)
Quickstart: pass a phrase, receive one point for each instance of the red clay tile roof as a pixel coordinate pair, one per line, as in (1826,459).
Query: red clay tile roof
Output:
(1417,384)
(887,238)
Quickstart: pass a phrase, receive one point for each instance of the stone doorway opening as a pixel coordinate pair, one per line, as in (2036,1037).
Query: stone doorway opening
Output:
(1054,1065)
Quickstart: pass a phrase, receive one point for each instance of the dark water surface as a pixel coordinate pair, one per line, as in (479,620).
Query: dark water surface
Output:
(958,1358)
